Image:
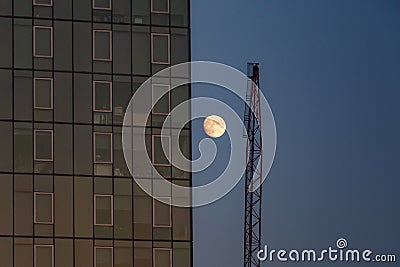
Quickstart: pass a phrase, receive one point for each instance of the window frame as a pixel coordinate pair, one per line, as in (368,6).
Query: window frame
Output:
(51,41)
(34,145)
(111,148)
(95,209)
(161,12)
(103,247)
(111,46)
(101,8)
(35,207)
(170,212)
(169,98)
(94,97)
(39,4)
(51,92)
(162,249)
(153,150)
(152,48)
(35,252)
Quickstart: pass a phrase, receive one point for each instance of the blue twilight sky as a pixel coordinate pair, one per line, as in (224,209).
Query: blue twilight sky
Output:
(331,72)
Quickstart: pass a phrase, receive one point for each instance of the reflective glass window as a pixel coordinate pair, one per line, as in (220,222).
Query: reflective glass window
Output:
(103,256)
(160,6)
(102,96)
(43,2)
(102,45)
(162,257)
(43,145)
(160,48)
(43,207)
(102,4)
(103,206)
(43,41)
(103,148)
(158,155)
(44,255)
(43,93)
(163,105)
(161,213)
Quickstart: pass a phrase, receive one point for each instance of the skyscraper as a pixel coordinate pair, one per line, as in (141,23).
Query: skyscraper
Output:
(68,69)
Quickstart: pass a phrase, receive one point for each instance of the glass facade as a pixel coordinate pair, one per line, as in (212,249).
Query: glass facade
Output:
(68,69)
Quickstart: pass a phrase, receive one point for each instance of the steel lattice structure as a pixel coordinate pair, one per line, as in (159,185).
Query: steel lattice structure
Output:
(253,193)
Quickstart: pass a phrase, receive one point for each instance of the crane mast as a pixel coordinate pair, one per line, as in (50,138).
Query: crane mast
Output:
(253,175)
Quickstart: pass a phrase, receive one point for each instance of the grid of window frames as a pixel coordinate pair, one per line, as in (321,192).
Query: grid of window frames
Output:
(68,69)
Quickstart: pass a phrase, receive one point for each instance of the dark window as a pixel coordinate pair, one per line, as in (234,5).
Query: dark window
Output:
(160,6)
(43,92)
(162,106)
(103,208)
(102,45)
(44,255)
(161,213)
(102,96)
(102,4)
(43,2)
(159,157)
(102,148)
(43,208)
(162,257)
(43,146)
(103,257)
(160,43)
(43,41)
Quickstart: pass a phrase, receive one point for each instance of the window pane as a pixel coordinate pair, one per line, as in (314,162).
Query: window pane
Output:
(43,41)
(6,40)
(44,208)
(141,50)
(162,106)
(160,48)
(23,147)
(43,2)
(44,145)
(102,95)
(83,209)
(158,154)
(43,93)
(160,6)
(162,257)
(179,13)
(104,208)
(6,205)
(102,45)
(104,257)
(103,145)
(82,44)
(23,42)
(162,214)
(6,251)
(102,4)
(6,151)
(44,256)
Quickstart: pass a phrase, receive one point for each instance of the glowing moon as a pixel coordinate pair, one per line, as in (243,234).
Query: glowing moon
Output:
(214,126)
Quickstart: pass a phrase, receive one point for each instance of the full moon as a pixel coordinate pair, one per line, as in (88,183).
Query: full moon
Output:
(214,126)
